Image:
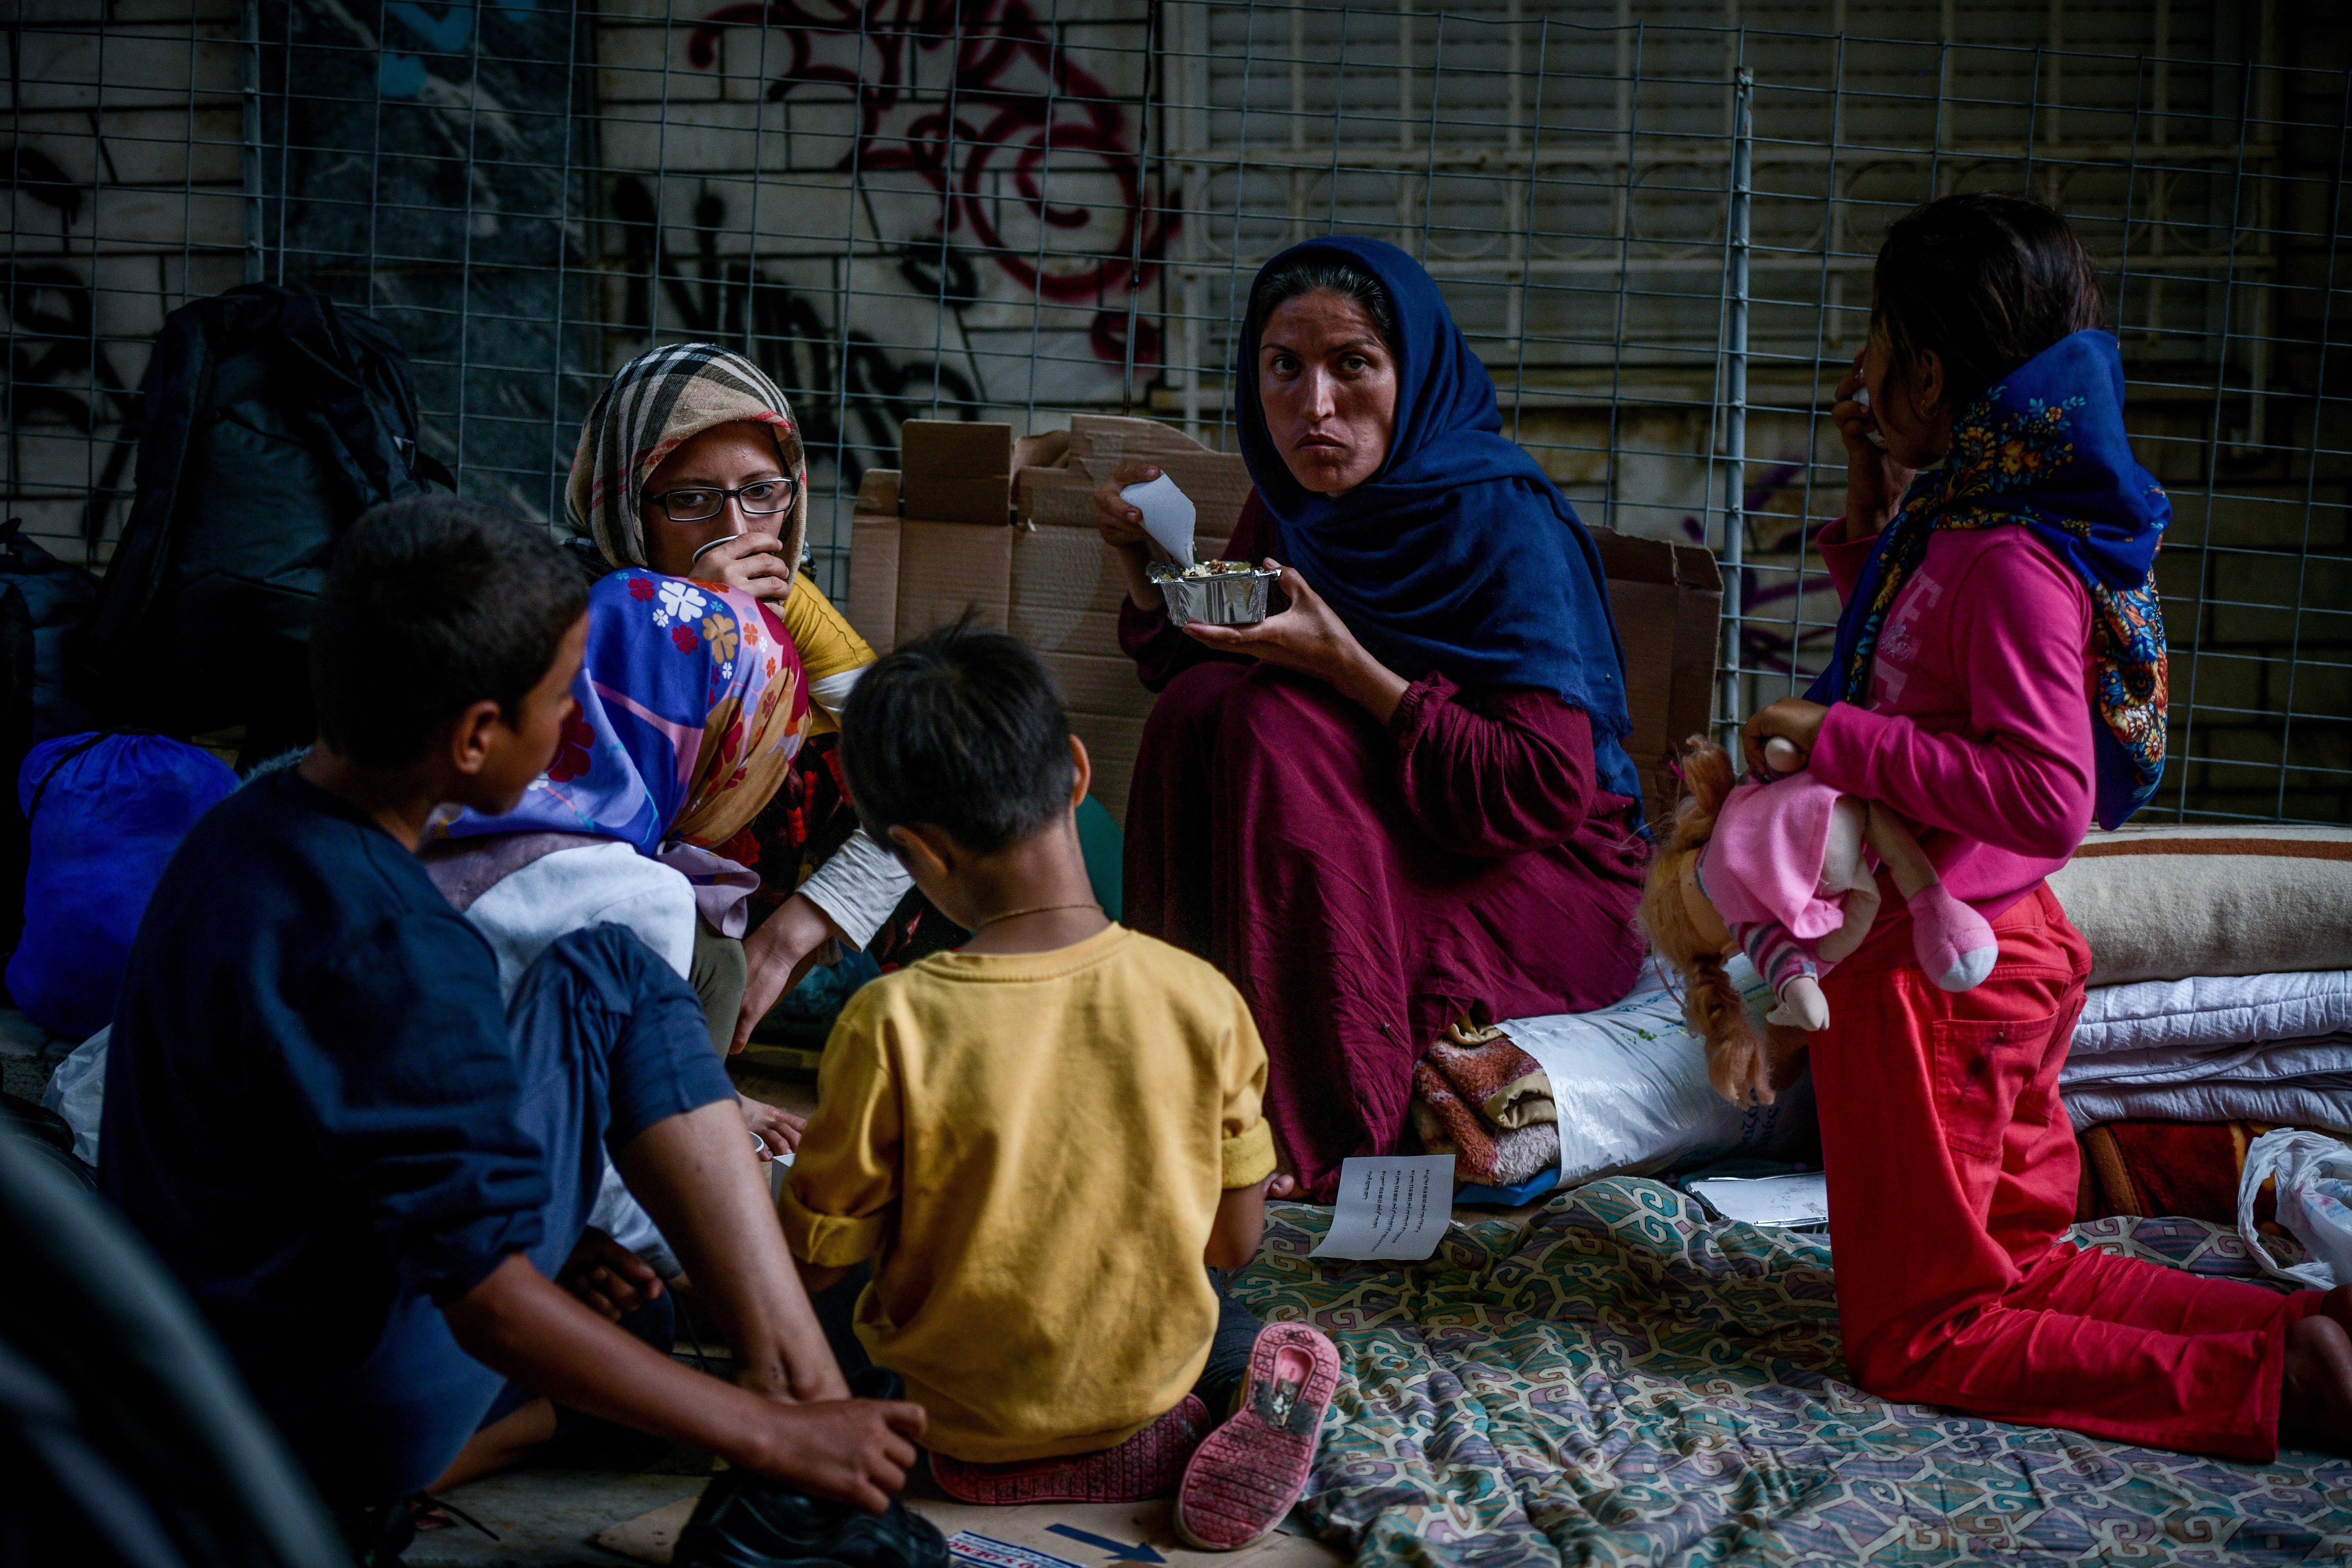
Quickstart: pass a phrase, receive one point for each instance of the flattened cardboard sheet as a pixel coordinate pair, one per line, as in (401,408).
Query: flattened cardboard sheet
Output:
(945,566)
(1668,602)
(957,470)
(1216,483)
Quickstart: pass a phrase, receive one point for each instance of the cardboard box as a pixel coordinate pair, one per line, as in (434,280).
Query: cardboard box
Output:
(909,575)
(1217,482)
(1046,577)
(921,550)
(1668,601)
(953,470)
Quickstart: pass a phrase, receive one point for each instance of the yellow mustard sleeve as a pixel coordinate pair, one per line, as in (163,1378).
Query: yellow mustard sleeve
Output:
(829,646)
(1249,1158)
(1248,1147)
(838,1201)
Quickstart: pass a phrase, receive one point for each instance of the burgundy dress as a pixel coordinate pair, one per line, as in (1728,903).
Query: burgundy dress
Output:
(1364,887)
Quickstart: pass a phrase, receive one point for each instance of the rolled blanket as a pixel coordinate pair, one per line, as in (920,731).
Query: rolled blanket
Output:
(1478,1096)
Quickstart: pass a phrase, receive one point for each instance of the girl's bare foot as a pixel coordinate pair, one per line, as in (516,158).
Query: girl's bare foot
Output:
(2315,1381)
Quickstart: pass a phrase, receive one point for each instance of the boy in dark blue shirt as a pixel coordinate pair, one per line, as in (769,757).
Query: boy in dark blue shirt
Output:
(363,1166)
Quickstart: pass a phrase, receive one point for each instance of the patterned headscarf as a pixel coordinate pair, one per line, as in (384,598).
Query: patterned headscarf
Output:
(2046,450)
(655,404)
(692,706)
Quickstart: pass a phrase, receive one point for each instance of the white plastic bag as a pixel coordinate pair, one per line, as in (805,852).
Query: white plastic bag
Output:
(1631,1087)
(2314,1203)
(76,1091)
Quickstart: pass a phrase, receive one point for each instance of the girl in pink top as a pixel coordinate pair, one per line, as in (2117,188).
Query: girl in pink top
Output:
(1998,682)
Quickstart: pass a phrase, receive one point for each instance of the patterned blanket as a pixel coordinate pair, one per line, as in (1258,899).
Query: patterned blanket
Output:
(1625,1382)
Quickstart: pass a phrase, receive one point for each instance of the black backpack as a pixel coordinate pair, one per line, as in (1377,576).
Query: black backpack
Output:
(273,419)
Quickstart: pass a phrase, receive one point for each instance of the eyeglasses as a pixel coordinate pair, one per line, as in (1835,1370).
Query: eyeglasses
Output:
(761,497)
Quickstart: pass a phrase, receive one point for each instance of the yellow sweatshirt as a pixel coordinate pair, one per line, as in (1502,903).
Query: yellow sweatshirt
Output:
(1036,1145)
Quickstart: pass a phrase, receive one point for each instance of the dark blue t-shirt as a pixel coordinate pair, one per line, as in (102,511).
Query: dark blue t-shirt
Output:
(310,1098)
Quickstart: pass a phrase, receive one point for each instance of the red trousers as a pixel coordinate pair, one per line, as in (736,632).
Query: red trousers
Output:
(1952,1175)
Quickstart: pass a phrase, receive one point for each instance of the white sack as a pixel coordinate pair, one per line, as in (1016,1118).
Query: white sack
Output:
(2314,1173)
(76,1091)
(1631,1087)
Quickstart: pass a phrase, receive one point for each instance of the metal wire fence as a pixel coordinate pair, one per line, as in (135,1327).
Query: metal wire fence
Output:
(1655,220)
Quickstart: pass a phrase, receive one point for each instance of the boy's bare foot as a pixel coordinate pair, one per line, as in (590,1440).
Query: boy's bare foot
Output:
(2315,1381)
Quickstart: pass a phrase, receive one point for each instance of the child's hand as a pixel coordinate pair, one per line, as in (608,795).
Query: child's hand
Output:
(1781,757)
(779,1131)
(1874,482)
(858,1450)
(610,1279)
(1792,719)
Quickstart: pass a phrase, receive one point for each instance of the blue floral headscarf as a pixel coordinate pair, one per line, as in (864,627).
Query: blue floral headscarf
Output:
(692,706)
(2046,450)
(1459,554)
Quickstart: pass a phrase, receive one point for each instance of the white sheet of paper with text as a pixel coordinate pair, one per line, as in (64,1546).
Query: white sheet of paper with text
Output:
(1395,1206)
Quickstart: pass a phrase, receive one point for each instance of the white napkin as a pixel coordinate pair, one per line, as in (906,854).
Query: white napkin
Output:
(1167,515)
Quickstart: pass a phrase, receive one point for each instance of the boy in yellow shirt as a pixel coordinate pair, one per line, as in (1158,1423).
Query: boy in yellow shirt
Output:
(1046,1138)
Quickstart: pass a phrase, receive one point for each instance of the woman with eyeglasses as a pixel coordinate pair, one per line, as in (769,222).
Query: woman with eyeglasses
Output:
(714,664)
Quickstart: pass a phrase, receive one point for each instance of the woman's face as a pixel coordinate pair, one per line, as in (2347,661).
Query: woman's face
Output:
(1909,407)
(1329,388)
(723,457)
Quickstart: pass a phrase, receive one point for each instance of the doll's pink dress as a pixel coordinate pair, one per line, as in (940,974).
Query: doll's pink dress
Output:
(1762,870)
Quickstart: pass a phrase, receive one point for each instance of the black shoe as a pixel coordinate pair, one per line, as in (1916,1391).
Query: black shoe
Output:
(747,1520)
(377,1536)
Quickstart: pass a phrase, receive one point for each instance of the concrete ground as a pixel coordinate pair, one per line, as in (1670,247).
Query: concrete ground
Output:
(549,1517)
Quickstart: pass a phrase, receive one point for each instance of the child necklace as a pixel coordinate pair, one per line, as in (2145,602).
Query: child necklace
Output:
(1034,909)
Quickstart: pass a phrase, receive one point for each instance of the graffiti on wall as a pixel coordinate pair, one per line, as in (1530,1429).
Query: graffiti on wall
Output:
(856,413)
(61,370)
(1008,111)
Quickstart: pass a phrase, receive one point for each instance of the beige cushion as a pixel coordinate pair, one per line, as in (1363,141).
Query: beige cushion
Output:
(2167,902)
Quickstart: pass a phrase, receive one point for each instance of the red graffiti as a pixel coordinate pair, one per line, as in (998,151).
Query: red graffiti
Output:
(1008,100)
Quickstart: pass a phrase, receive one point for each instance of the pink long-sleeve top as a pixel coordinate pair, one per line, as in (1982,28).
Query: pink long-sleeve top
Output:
(1976,725)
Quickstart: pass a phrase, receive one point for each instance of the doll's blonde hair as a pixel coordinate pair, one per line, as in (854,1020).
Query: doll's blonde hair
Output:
(1712,1006)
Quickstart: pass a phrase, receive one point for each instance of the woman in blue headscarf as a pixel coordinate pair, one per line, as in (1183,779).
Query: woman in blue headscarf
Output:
(1405,797)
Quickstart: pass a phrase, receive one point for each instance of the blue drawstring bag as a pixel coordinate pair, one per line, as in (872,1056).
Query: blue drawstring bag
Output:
(105,812)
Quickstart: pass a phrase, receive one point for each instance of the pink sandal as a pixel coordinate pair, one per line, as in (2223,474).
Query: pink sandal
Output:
(1147,1465)
(1246,1474)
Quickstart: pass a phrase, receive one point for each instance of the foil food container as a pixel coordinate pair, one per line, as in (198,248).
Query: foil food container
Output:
(1233,598)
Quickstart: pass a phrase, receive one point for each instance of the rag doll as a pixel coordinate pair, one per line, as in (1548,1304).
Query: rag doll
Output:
(1775,865)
